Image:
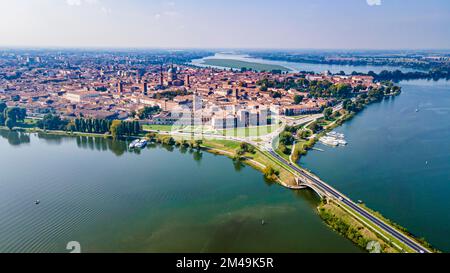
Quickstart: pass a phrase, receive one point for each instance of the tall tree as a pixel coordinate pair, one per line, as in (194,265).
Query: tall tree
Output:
(116,129)
(327,113)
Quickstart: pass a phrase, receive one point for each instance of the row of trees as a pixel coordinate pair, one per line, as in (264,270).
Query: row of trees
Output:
(397,75)
(170,94)
(52,122)
(117,128)
(98,126)
(125,128)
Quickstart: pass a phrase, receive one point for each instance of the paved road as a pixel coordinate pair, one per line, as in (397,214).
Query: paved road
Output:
(334,193)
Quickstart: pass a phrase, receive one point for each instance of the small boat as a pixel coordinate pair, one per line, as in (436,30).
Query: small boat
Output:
(417,110)
(134,143)
(141,144)
(360,202)
(37,202)
(263,222)
(342,142)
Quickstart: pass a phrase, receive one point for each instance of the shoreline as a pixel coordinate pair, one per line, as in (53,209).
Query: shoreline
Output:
(378,233)
(331,208)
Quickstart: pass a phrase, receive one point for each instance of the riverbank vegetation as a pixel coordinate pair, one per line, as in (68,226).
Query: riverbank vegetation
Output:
(244,66)
(397,75)
(434,65)
(11,116)
(16,117)
(240,153)
(346,225)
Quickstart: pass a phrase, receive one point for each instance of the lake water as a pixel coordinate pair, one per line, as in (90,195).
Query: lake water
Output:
(108,199)
(295,67)
(398,160)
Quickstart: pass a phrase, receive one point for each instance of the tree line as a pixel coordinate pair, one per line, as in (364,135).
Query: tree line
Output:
(120,128)
(116,128)
(97,126)
(397,75)
(314,88)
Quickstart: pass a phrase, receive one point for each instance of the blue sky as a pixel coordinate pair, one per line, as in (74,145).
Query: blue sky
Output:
(321,24)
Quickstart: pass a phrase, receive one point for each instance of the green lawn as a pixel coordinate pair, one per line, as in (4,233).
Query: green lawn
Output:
(165,128)
(225,145)
(249,132)
(30,121)
(176,128)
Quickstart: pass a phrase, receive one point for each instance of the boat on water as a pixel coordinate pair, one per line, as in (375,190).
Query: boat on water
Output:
(134,143)
(342,142)
(333,139)
(330,141)
(336,135)
(141,144)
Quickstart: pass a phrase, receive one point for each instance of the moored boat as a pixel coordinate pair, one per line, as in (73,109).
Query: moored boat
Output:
(141,144)
(134,143)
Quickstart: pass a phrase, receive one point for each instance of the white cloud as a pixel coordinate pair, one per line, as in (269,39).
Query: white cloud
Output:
(93,3)
(374,2)
(106,10)
(74,2)
(171,13)
(81,2)
(170,4)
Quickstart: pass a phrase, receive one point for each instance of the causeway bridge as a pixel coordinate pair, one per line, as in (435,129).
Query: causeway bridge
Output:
(308,180)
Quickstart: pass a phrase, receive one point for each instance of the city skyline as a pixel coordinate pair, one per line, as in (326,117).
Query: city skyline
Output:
(226,24)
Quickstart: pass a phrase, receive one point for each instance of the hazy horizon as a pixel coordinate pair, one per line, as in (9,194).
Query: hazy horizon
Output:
(227,25)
